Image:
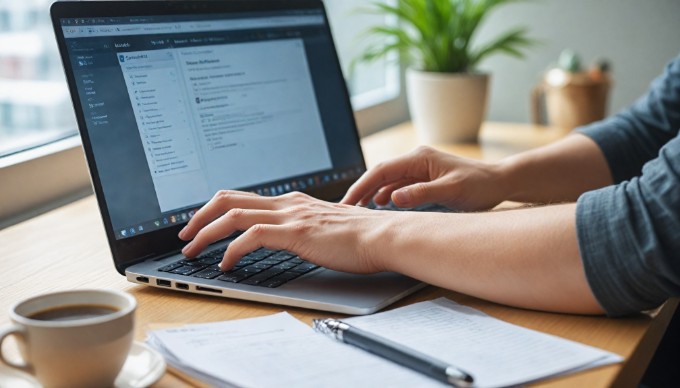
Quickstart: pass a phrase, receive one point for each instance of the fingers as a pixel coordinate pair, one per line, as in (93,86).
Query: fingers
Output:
(234,220)
(261,235)
(221,203)
(420,193)
(384,195)
(404,167)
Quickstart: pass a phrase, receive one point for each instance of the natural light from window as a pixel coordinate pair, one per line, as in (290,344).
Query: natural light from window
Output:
(35,107)
(371,83)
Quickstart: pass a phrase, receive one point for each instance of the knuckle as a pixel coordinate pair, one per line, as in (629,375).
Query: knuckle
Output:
(295,210)
(235,213)
(224,194)
(296,195)
(424,150)
(300,212)
(257,231)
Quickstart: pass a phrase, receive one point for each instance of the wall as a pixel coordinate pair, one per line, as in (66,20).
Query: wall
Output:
(638,37)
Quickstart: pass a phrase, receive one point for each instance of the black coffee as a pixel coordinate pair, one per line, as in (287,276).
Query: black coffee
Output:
(74,312)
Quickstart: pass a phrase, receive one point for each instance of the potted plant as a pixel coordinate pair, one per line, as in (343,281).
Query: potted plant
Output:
(447,96)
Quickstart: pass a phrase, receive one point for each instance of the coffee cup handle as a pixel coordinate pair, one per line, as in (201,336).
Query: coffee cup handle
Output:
(17,331)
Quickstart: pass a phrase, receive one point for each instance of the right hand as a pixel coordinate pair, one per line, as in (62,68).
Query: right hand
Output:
(428,176)
(340,237)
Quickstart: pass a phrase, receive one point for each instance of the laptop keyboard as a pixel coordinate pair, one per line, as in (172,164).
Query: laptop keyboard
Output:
(433,208)
(263,267)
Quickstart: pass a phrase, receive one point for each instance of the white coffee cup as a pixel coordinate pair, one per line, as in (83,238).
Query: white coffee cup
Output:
(72,351)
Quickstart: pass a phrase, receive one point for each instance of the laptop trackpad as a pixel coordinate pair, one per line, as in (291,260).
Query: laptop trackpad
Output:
(338,287)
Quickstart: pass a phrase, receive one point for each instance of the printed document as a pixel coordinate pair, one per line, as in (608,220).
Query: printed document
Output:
(496,353)
(275,351)
(280,351)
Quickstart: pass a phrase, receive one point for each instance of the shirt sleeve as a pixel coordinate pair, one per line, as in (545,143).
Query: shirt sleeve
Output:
(634,136)
(629,236)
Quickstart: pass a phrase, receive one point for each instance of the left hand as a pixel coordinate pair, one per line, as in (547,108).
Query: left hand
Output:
(334,236)
(427,176)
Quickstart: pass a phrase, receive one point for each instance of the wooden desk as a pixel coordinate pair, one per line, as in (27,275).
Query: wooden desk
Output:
(496,141)
(67,249)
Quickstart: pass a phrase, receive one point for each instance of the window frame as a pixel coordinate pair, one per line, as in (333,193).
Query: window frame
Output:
(378,109)
(42,178)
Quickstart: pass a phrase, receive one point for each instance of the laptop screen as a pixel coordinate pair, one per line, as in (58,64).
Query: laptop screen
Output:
(177,107)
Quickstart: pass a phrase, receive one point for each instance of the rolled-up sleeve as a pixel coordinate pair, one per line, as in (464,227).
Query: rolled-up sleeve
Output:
(629,236)
(634,136)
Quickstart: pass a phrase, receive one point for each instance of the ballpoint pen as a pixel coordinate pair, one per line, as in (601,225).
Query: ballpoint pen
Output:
(394,352)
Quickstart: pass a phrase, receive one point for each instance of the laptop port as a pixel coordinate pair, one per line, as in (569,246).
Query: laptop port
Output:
(214,291)
(182,286)
(142,279)
(163,283)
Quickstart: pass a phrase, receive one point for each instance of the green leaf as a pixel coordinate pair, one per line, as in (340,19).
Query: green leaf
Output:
(437,35)
(509,43)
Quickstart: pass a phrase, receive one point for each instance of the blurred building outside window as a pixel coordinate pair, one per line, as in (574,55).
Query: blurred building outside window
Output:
(35,106)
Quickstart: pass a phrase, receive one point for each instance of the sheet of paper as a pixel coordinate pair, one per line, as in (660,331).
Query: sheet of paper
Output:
(496,353)
(276,351)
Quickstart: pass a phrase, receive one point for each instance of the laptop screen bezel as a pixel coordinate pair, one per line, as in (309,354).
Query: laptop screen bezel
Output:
(160,243)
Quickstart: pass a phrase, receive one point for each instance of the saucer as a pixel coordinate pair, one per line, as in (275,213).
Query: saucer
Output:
(143,367)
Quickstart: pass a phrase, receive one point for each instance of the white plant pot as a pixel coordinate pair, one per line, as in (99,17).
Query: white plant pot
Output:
(447,107)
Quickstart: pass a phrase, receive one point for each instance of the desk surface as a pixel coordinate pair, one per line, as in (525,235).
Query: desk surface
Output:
(67,249)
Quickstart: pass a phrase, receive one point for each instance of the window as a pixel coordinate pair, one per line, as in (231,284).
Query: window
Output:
(369,83)
(41,163)
(377,95)
(35,107)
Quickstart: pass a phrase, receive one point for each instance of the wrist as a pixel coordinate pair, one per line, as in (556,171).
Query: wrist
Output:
(508,177)
(385,239)
(513,173)
(406,241)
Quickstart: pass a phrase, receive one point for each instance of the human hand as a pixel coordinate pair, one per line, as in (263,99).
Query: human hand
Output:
(334,236)
(426,175)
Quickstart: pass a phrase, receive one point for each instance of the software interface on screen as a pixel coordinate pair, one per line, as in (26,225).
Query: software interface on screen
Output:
(179,107)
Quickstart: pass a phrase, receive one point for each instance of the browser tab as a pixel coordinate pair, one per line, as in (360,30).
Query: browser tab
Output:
(137,27)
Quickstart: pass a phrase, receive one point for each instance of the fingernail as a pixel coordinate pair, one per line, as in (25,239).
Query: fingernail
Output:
(182,232)
(401,196)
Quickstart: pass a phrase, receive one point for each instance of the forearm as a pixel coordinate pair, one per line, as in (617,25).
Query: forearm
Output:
(559,172)
(527,258)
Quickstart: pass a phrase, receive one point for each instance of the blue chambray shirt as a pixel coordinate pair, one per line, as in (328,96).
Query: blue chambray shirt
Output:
(629,233)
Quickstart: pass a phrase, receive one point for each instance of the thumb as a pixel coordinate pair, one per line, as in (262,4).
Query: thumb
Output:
(419,194)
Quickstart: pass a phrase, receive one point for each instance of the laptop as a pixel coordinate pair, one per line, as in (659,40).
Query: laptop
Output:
(176,100)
